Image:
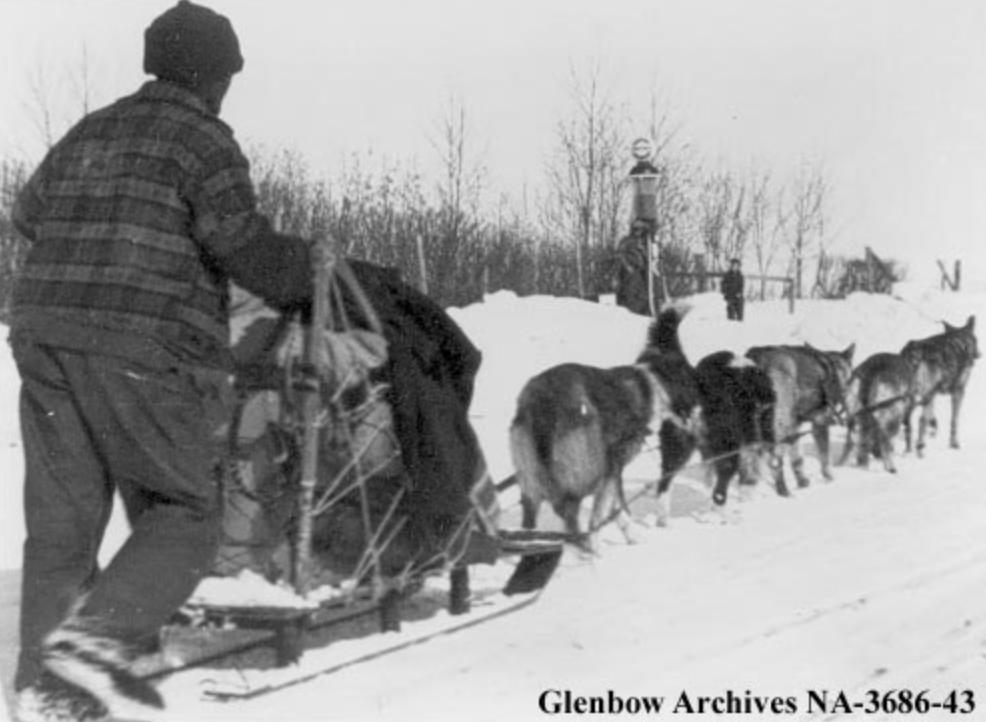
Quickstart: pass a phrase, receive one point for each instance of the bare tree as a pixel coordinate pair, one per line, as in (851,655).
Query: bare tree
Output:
(40,106)
(663,131)
(463,172)
(49,107)
(586,178)
(723,218)
(806,218)
(766,225)
(463,176)
(81,82)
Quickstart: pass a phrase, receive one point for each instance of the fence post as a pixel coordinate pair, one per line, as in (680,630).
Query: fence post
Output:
(703,279)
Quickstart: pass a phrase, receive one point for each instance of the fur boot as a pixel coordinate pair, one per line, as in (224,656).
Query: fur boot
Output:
(52,699)
(79,653)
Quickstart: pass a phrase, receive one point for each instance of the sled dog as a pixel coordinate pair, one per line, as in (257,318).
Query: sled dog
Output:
(578,426)
(879,401)
(729,401)
(737,400)
(810,388)
(942,364)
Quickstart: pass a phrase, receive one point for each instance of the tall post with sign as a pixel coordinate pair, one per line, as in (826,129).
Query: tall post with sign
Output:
(645,176)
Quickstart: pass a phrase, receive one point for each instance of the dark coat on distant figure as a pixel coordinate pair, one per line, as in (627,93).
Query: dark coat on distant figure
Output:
(732,291)
(631,274)
(732,285)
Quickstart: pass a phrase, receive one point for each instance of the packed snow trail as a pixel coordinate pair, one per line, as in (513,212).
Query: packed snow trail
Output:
(872,582)
(875,581)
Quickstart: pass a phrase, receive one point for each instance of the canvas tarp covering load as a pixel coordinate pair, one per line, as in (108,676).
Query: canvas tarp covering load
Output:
(401,477)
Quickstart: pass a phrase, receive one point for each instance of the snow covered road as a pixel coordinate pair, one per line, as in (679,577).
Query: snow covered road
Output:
(873,582)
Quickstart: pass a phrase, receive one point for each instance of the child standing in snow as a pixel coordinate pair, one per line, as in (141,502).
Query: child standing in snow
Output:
(732,291)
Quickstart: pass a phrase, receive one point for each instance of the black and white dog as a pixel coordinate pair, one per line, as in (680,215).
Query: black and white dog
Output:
(738,403)
(577,426)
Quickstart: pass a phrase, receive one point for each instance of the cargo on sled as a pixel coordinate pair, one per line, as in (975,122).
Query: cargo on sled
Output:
(354,475)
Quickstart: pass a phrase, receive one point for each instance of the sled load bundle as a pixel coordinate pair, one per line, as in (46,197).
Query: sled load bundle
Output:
(353,472)
(383,389)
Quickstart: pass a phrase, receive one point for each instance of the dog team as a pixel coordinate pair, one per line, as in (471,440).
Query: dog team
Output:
(578,426)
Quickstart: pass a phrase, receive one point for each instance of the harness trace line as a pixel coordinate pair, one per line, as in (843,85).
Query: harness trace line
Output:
(625,502)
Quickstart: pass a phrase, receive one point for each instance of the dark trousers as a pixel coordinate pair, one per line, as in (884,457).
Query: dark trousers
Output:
(734,309)
(92,425)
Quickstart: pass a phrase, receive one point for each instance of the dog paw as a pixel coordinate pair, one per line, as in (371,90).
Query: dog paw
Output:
(662,514)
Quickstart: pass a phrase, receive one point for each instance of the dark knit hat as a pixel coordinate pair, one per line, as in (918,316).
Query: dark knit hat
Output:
(190,44)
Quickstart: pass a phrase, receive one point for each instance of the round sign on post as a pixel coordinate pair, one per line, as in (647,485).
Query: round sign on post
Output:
(642,149)
(645,179)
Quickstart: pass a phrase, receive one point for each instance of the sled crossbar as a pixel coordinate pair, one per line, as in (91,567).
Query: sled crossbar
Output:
(289,625)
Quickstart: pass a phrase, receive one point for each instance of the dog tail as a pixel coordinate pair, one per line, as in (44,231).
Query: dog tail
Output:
(531,438)
(530,451)
(555,439)
(663,332)
(536,421)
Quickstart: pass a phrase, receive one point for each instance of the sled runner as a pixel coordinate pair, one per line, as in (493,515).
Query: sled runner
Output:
(539,554)
(354,475)
(323,662)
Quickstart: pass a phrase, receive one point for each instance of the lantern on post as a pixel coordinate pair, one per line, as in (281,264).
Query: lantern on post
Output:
(645,177)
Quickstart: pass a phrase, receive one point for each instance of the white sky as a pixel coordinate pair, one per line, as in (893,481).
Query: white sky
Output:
(890,95)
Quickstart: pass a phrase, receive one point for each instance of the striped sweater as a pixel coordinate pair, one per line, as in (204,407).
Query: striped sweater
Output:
(137,220)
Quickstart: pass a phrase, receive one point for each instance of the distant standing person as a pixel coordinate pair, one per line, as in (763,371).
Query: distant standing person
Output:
(732,291)
(632,268)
